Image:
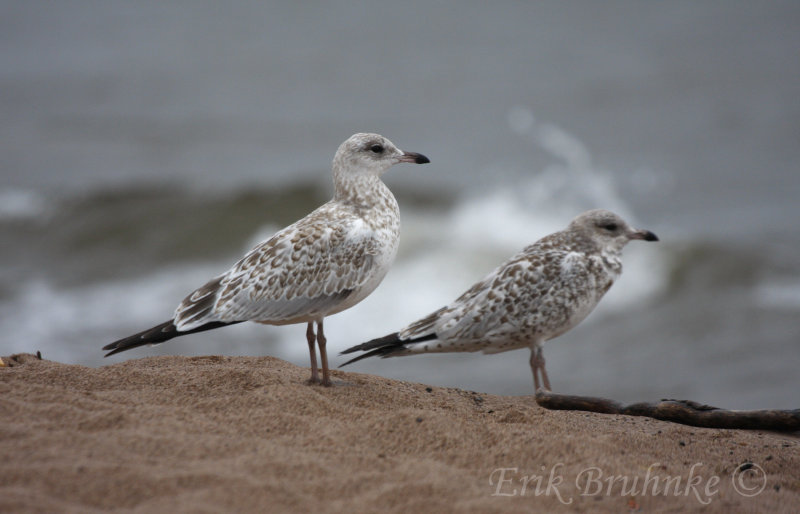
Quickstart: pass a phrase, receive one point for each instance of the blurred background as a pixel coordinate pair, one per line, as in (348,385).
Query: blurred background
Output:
(145,146)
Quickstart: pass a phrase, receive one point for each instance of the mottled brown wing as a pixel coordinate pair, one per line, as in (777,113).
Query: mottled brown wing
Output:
(305,270)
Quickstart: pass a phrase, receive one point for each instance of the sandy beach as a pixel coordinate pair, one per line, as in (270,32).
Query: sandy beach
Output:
(246,434)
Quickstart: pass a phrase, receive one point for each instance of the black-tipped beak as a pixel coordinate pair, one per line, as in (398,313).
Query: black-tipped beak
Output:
(644,235)
(416,158)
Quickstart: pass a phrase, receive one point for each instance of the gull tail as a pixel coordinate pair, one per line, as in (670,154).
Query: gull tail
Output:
(386,346)
(158,334)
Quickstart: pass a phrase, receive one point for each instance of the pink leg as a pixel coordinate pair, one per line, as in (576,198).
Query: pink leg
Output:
(310,337)
(534,370)
(323,353)
(537,367)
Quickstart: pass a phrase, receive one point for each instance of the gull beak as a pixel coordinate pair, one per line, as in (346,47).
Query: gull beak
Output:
(644,235)
(416,158)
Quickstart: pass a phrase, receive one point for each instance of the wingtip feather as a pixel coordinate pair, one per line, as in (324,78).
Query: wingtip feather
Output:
(383,347)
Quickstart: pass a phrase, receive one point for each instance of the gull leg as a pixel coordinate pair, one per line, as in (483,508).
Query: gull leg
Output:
(310,337)
(323,353)
(534,370)
(537,368)
(545,378)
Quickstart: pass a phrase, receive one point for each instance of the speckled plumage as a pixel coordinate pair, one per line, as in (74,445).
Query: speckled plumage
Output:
(536,295)
(322,264)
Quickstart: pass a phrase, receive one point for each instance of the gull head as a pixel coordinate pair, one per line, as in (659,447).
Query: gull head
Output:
(609,230)
(371,154)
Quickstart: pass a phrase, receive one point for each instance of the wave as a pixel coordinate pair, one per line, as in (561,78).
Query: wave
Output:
(22,204)
(779,294)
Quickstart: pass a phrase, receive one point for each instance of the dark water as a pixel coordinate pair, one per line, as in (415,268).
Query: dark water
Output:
(144,147)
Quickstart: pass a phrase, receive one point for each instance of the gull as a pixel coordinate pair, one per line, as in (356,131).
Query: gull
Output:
(322,264)
(538,294)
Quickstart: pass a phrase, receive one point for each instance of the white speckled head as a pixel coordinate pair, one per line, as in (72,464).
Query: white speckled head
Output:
(371,154)
(609,230)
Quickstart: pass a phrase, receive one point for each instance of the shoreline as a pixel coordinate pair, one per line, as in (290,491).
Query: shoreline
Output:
(187,434)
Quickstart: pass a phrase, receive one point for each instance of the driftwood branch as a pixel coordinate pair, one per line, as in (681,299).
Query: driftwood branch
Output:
(685,412)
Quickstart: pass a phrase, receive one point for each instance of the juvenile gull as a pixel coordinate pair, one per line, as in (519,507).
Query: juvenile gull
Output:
(323,264)
(536,295)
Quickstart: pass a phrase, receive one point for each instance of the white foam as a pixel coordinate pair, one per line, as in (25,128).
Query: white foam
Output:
(21,204)
(62,322)
(779,294)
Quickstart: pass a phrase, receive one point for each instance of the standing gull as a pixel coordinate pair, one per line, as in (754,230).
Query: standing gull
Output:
(536,295)
(323,264)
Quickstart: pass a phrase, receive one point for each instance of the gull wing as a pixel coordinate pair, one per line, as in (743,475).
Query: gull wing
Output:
(303,272)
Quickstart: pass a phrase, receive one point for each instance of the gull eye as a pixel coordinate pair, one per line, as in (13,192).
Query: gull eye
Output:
(611,227)
(376,148)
